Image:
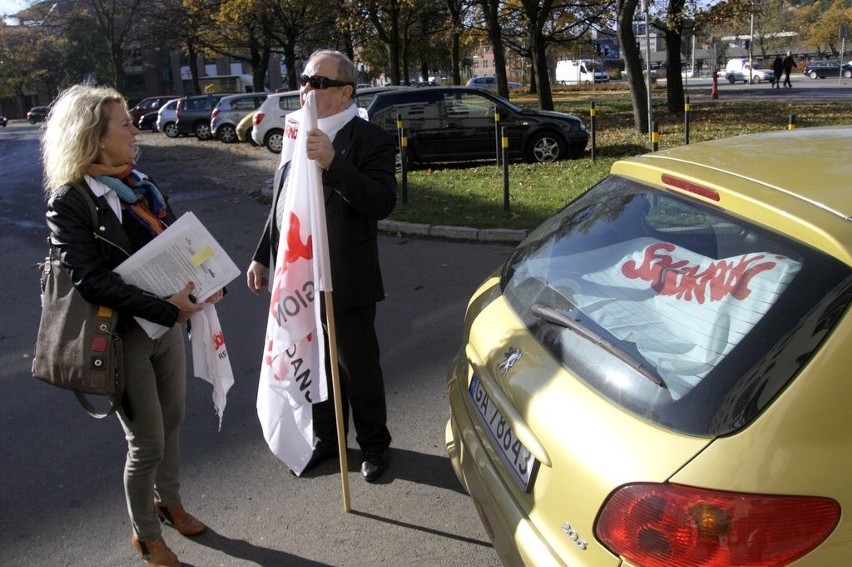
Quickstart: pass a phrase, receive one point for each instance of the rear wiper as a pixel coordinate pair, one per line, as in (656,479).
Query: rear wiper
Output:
(558,318)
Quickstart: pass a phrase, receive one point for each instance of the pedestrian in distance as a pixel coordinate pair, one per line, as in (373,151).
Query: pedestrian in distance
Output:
(777,70)
(789,63)
(357,159)
(90,141)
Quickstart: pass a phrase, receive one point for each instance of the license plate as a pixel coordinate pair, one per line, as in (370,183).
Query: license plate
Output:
(517,458)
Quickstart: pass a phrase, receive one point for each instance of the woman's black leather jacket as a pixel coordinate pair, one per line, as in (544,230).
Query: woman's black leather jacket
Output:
(91,253)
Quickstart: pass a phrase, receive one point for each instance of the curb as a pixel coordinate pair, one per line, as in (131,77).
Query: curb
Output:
(464,233)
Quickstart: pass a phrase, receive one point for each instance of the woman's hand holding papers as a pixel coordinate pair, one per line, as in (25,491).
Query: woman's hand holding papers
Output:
(185,303)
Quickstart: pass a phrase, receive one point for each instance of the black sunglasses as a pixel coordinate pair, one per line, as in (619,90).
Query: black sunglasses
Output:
(320,82)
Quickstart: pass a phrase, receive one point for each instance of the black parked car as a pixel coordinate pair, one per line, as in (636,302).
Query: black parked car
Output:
(148,121)
(823,69)
(3,121)
(193,114)
(456,124)
(37,114)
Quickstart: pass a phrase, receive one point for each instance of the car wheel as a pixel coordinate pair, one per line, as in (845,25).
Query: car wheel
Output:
(202,130)
(274,140)
(756,79)
(545,147)
(170,130)
(227,133)
(813,75)
(847,74)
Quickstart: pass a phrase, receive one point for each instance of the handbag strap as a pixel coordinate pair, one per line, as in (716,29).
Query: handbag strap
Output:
(90,198)
(115,400)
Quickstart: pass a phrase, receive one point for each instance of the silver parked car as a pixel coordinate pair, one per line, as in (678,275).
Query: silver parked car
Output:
(231,109)
(167,119)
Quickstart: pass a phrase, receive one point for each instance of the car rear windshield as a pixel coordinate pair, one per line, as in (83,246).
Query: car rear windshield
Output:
(680,313)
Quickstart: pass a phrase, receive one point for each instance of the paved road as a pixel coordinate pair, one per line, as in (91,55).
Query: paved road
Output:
(804,89)
(60,489)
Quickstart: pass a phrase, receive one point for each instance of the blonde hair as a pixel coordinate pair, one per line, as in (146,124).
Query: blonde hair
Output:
(75,125)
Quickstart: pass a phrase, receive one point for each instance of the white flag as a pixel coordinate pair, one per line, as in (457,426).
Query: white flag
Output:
(292,374)
(210,360)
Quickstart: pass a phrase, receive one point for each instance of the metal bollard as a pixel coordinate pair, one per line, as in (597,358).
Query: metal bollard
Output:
(655,137)
(497,135)
(791,122)
(505,146)
(592,127)
(403,161)
(686,121)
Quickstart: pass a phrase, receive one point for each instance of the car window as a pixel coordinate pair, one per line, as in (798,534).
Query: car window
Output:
(288,103)
(468,105)
(683,306)
(243,104)
(196,104)
(416,115)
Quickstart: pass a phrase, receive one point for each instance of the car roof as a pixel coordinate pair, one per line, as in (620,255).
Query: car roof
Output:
(415,92)
(385,99)
(279,95)
(241,95)
(796,180)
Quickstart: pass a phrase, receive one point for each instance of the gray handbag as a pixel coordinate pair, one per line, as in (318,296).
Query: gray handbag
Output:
(77,347)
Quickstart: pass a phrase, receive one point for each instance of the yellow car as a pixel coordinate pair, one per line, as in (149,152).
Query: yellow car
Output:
(244,128)
(657,376)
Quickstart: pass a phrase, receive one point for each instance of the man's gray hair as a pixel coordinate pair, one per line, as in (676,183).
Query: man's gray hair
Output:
(346,70)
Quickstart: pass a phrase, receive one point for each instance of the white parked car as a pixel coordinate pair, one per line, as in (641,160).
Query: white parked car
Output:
(268,121)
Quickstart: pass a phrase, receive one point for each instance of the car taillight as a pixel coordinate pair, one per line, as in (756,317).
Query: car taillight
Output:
(668,525)
(215,112)
(258,116)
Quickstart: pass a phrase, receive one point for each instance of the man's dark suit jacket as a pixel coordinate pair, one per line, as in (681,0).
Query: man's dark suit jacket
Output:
(360,190)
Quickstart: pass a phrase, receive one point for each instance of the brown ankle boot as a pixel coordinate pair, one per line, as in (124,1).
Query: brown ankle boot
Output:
(155,552)
(181,520)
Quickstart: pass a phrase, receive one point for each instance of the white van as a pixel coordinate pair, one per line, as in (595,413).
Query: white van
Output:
(737,70)
(575,72)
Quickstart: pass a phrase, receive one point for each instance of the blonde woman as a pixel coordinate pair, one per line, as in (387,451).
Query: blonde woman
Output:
(89,144)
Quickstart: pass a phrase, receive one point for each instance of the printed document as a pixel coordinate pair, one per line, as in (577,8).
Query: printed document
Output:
(184,252)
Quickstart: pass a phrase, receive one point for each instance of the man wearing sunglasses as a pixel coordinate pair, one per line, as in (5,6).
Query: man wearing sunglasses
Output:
(359,179)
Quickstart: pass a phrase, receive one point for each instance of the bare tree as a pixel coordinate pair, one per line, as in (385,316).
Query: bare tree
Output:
(111,22)
(633,63)
(491,15)
(542,24)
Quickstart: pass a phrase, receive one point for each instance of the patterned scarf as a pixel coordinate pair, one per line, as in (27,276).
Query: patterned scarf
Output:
(143,199)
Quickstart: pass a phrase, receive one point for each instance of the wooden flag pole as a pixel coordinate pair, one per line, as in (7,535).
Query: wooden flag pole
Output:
(338,401)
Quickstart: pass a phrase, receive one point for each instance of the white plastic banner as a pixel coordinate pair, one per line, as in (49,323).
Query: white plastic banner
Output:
(292,375)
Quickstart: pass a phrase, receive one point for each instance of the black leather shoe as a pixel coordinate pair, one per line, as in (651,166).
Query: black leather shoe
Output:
(374,465)
(323,451)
